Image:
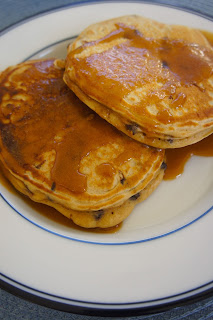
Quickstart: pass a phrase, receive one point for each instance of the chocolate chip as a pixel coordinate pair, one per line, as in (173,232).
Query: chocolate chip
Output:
(49,199)
(135,197)
(170,140)
(132,127)
(53,186)
(123,180)
(29,191)
(201,89)
(163,165)
(98,214)
(137,33)
(164,64)
(38,166)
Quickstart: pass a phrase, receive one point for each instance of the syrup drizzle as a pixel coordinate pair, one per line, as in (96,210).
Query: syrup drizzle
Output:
(176,160)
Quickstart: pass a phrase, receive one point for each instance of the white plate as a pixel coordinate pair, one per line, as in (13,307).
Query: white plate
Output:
(162,254)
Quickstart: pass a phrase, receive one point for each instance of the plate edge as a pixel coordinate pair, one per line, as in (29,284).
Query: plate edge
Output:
(91,2)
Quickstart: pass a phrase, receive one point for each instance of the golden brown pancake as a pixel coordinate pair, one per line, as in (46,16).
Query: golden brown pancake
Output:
(59,152)
(152,81)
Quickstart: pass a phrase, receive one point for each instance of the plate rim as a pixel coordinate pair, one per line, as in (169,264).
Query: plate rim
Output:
(22,291)
(92,2)
(100,243)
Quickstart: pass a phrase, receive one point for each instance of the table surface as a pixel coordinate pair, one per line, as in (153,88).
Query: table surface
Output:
(14,307)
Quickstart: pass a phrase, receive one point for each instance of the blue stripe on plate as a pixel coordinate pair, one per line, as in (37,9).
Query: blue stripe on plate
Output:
(107,243)
(49,46)
(203,9)
(194,290)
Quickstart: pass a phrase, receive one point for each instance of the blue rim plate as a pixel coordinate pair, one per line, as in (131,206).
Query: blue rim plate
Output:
(158,258)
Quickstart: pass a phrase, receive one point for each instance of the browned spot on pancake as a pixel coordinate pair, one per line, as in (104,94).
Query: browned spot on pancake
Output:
(10,142)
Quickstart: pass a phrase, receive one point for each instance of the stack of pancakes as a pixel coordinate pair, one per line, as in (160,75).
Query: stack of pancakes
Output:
(93,152)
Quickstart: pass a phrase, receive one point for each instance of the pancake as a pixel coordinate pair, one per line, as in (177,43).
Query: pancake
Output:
(152,81)
(59,152)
